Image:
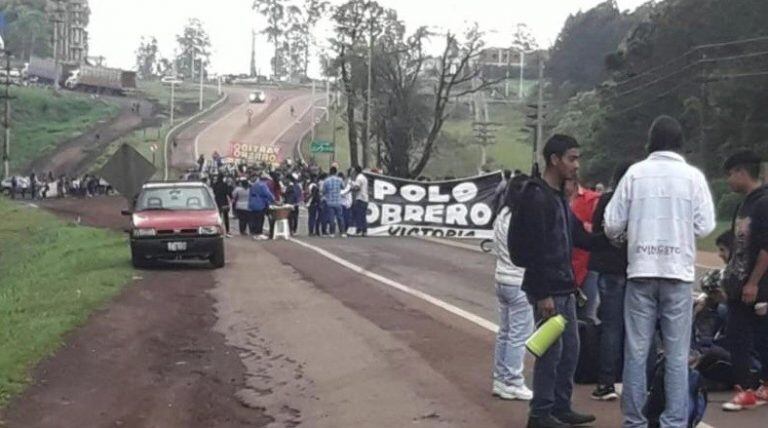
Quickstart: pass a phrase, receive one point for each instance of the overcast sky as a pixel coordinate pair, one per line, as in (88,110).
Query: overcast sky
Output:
(117,25)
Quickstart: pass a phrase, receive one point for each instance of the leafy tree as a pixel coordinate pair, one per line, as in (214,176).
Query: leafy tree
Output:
(523,39)
(147,57)
(28,31)
(275,12)
(194,46)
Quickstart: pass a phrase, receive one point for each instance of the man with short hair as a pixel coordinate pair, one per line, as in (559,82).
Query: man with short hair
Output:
(548,231)
(360,205)
(661,206)
(746,282)
(332,187)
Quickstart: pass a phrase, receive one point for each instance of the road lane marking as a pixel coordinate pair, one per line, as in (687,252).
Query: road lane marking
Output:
(482,322)
(479,321)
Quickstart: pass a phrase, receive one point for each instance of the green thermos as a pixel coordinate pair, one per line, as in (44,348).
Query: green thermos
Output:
(546,335)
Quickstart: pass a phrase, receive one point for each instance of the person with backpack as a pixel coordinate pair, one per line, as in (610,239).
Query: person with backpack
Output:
(746,281)
(610,267)
(515,317)
(660,207)
(543,232)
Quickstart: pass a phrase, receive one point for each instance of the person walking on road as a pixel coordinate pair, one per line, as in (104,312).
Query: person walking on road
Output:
(660,206)
(332,187)
(515,319)
(610,267)
(222,192)
(260,198)
(360,204)
(746,282)
(548,231)
(240,198)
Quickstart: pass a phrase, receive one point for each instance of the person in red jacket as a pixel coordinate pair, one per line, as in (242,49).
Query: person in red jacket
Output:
(583,204)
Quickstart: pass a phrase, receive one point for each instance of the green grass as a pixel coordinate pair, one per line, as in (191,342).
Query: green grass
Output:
(142,140)
(186,96)
(54,275)
(41,120)
(708,243)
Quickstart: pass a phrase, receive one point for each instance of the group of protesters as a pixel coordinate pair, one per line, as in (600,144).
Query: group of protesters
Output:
(624,260)
(37,186)
(335,202)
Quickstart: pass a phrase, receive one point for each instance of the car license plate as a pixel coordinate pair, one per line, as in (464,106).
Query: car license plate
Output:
(177,246)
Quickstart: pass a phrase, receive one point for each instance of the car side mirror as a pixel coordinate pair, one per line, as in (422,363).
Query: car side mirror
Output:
(126,212)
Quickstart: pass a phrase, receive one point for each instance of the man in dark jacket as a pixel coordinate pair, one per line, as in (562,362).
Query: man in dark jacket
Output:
(548,233)
(222,192)
(610,264)
(746,282)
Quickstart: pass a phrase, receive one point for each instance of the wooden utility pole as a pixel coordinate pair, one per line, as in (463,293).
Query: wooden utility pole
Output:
(7,119)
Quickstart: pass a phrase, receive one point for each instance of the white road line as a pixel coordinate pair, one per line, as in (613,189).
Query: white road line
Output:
(210,125)
(298,120)
(482,322)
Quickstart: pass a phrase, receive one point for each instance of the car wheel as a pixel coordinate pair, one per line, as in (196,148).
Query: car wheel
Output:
(217,258)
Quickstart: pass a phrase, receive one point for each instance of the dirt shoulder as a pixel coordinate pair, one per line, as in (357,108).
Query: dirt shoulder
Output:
(149,359)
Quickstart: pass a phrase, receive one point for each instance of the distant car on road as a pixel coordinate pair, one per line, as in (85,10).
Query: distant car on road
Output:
(22,183)
(167,80)
(175,221)
(257,97)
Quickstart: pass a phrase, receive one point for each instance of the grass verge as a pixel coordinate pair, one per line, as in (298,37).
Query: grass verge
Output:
(54,275)
(42,119)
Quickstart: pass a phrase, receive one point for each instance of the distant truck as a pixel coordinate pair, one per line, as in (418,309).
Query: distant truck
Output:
(81,77)
(101,79)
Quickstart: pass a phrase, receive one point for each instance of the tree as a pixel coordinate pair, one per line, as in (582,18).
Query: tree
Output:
(275,12)
(194,45)
(352,26)
(523,39)
(414,94)
(147,57)
(28,31)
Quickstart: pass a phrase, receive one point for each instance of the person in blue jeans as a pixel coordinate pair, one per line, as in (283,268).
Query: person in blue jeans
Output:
(660,207)
(609,267)
(332,187)
(547,231)
(515,319)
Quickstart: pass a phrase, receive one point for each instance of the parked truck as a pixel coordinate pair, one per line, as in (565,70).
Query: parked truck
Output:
(82,77)
(101,79)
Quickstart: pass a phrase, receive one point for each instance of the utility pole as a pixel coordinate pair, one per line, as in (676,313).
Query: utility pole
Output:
(522,73)
(201,84)
(312,112)
(485,135)
(539,117)
(173,85)
(7,121)
(253,53)
(58,11)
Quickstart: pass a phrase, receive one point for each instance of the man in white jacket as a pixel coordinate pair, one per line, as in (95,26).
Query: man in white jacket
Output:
(660,207)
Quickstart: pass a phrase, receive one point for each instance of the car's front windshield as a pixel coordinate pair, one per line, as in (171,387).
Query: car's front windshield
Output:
(174,198)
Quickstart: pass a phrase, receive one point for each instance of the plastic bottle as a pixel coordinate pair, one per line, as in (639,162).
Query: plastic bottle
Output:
(547,334)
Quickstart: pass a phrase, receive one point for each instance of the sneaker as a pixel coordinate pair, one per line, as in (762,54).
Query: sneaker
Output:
(228,235)
(344,235)
(762,394)
(743,400)
(605,393)
(263,238)
(545,422)
(511,392)
(573,419)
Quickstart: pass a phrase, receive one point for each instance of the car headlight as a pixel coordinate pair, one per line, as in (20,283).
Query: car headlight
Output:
(208,230)
(140,233)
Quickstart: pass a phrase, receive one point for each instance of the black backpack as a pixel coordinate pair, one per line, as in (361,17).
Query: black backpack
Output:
(514,200)
(698,398)
(589,363)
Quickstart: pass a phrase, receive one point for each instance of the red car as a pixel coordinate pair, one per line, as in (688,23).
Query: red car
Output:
(174,221)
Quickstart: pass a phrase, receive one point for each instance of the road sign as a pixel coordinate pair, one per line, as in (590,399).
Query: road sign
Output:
(127,170)
(321,146)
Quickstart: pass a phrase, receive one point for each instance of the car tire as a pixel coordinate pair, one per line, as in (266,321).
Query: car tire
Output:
(217,258)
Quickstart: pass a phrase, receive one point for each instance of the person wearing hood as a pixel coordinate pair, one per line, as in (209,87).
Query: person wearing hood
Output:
(746,282)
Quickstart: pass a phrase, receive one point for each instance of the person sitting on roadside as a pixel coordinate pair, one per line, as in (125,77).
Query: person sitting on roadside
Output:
(746,281)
